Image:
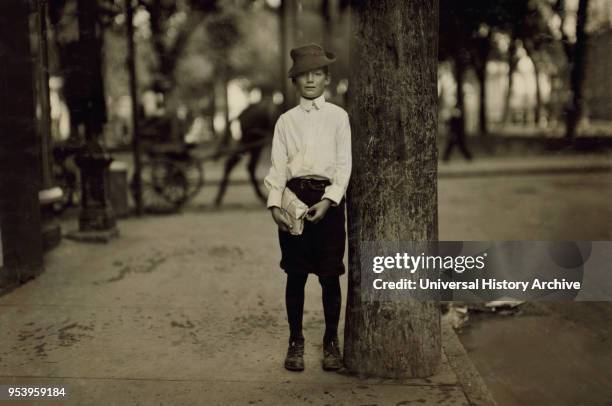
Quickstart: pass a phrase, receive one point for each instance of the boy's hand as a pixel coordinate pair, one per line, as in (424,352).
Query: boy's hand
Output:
(279,219)
(317,211)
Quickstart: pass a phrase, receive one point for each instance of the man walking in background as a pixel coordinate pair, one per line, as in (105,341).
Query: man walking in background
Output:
(256,126)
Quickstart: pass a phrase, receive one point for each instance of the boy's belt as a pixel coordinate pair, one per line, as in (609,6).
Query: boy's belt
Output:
(307,183)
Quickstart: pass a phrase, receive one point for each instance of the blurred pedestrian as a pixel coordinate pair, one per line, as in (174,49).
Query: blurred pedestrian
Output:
(311,155)
(256,127)
(456,136)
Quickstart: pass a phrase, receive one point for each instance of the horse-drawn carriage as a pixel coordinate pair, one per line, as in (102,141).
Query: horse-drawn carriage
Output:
(172,173)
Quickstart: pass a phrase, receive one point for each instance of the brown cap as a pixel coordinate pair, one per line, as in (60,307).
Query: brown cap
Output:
(309,57)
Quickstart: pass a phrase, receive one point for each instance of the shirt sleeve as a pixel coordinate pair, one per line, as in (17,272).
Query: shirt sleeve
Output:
(277,176)
(337,189)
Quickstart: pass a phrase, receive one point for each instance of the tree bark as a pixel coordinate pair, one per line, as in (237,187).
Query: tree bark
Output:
(393,192)
(574,110)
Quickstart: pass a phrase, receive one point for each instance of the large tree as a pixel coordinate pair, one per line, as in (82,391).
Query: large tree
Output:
(393,192)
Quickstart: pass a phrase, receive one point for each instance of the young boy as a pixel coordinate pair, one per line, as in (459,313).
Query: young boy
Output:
(311,155)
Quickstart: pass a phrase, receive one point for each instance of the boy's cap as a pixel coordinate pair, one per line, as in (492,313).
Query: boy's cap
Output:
(309,57)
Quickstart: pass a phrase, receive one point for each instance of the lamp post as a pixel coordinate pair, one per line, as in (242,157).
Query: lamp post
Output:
(97,222)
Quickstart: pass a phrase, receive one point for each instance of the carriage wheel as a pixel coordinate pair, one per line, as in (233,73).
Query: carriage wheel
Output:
(194,176)
(164,188)
(174,182)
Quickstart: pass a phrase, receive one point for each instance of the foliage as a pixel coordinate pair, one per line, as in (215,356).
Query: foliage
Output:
(469,26)
(257,55)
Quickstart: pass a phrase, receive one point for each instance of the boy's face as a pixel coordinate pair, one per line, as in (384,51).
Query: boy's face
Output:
(312,84)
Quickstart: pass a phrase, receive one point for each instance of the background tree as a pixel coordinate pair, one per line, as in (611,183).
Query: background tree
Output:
(466,31)
(393,192)
(576,56)
(172,23)
(454,42)
(538,42)
(469,33)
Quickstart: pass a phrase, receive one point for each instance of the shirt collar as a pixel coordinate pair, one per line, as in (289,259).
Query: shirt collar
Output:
(309,104)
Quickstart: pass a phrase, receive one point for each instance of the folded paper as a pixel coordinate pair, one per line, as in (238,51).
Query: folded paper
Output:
(294,211)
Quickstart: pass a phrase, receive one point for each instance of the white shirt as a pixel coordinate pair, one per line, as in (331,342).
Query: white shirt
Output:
(312,139)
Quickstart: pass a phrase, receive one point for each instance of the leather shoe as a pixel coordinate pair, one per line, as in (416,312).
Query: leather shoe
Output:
(332,360)
(295,356)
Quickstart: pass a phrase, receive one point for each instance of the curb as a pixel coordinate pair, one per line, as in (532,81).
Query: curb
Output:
(471,382)
(517,171)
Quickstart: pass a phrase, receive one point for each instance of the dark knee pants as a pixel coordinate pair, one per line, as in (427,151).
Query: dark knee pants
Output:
(320,248)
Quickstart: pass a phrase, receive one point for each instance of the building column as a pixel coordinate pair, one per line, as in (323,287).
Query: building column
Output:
(20,158)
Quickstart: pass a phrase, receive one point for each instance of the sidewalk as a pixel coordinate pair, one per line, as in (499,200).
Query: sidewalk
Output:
(188,309)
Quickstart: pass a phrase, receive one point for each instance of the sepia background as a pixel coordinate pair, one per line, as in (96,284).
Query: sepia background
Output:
(105,278)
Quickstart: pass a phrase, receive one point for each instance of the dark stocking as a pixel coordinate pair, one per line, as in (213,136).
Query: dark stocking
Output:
(294,300)
(332,300)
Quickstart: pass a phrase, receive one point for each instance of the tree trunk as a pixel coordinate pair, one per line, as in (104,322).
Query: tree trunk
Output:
(165,65)
(328,14)
(459,68)
(20,159)
(221,104)
(512,62)
(482,112)
(537,116)
(169,54)
(131,67)
(289,38)
(574,110)
(393,193)
(529,49)
(483,48)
